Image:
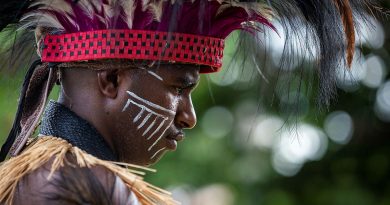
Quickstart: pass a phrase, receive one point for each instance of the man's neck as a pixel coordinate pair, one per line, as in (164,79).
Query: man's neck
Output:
(59,121)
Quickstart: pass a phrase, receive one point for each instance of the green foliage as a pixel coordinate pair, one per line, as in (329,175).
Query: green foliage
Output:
(352,174)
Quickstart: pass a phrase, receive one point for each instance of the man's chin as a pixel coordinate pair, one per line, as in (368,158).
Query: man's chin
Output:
(146,162)
(155,159)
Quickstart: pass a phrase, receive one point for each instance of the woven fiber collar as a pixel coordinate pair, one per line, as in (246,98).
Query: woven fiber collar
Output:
(61,122)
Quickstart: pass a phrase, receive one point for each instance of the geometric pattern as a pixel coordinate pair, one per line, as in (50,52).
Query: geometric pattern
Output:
(134,44)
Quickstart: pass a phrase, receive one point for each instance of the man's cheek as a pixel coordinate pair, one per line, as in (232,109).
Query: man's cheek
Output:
(149,120)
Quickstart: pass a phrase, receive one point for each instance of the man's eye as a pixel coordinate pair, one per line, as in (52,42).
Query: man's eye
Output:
(179,90)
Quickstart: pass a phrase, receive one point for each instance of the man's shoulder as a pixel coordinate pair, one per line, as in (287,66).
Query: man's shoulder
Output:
(73,185)
(51,171)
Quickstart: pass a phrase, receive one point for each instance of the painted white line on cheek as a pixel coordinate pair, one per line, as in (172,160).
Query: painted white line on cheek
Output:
(139,114)
(150,103)
(155,154)
(146,109)
(127,105)
(150,126)
(159,138)
(143,108)
(158,128)
(144,121)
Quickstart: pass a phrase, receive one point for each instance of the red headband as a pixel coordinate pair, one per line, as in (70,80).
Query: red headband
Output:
(134,44)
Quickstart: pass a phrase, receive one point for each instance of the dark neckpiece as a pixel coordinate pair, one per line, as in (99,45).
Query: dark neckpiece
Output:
(59,121)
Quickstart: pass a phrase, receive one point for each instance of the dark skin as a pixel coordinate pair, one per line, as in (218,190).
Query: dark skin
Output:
(72,186)
(100,97)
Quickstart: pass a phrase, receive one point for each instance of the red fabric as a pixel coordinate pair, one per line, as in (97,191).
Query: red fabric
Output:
(135,44)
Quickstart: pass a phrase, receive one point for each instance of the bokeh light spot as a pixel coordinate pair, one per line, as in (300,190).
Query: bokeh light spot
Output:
(375,72)
(372,33)
(285,167)
(348,79)
(266,131)
(214,194)
(382,105)
(217,122)
(339,127)
(296,146)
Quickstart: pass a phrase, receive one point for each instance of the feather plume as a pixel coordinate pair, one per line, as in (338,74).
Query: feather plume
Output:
(10,12)
(155,7)
(128,12)
(349,28)
(86,15)
(330,26)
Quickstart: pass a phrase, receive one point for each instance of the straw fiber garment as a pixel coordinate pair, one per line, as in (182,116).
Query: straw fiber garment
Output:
(59,152)
(60,121)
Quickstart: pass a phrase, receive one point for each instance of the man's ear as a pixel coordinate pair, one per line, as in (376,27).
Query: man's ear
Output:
(108,81)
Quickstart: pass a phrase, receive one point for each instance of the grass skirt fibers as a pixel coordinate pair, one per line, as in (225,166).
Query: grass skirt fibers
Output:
(48,148)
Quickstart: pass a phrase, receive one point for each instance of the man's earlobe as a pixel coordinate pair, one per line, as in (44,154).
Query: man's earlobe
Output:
(108,81)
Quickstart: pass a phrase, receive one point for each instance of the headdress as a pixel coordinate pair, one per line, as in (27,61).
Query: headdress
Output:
(174,31)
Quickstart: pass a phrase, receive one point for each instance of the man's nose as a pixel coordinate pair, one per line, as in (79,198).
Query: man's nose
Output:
(185,116)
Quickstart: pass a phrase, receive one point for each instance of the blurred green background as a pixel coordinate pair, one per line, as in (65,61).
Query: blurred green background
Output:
(242,151)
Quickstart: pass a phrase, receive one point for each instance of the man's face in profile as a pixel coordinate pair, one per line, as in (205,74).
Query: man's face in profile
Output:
(152,108)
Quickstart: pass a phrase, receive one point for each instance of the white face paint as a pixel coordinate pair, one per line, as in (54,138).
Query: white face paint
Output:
(152,73)
(156,153)
(152,120)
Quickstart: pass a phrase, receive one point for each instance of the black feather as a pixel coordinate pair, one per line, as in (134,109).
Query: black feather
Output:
(11,11)
(16,127)
(318,28)
(78,186)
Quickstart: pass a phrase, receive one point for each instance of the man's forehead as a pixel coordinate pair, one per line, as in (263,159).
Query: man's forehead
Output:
(185,71)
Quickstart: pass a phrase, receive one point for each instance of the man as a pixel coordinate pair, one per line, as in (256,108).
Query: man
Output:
(126,71)
(139,123)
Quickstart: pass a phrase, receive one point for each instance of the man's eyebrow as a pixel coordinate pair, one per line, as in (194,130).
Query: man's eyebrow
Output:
(187,82)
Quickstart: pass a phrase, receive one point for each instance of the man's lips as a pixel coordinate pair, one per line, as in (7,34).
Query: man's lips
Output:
(173,139)
(179,136)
